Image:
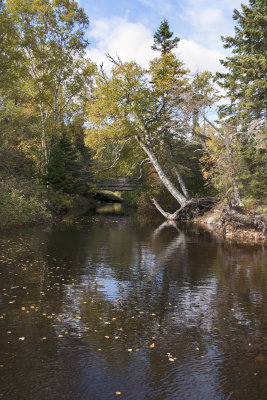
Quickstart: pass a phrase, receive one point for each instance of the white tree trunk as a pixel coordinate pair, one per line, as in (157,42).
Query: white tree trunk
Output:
(181,182)
(163,177)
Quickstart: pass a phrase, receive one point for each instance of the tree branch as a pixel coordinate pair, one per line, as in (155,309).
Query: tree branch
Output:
(117,156)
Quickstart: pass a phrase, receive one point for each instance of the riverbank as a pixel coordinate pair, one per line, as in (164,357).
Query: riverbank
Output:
(221,224)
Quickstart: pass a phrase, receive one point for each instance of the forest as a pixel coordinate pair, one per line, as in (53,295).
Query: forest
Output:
(184,137)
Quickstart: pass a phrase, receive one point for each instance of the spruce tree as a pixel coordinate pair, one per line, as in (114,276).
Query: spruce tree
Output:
(163,41)
(63,166)
(245,80)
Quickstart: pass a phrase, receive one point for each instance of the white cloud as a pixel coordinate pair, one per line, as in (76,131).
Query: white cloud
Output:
(132,41)
(208,21)
(198,57)
(116,36)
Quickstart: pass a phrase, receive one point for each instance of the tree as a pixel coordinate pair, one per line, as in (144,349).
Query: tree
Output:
(163,41)
(51,38)
(238,145)
(63,167)
(148,110)
(245,80)
(8,50)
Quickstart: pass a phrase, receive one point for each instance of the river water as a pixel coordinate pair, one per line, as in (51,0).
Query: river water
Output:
(112,308)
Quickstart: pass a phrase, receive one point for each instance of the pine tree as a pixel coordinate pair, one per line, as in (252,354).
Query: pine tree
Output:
(63,166)
(245,80)
(163,41)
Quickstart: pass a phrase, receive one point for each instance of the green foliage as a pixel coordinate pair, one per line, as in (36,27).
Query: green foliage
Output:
(54,72)
(163,40)
(22,202)
(63,169)
(245,80)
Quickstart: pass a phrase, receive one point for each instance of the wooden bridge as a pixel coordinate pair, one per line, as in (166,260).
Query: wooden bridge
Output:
(116,185)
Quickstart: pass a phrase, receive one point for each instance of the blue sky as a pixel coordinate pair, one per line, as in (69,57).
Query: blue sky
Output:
(126,27)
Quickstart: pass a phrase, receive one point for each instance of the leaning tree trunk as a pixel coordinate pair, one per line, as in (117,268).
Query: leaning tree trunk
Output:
(189,207)
(163,177)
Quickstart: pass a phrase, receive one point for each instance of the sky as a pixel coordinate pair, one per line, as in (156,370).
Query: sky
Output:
(125,28)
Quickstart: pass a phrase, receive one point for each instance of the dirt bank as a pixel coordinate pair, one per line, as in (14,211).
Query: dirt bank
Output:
(218,221)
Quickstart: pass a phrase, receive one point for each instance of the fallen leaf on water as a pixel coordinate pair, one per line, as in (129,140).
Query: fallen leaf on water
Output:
(44,338)
(118,393)
(114,319)
(99,349)
(260,357)
(130,350)
(171,359)
(22,338)
(153,314)
(23,308)
(60,335)
(197,348)
(152,346)
(107,337)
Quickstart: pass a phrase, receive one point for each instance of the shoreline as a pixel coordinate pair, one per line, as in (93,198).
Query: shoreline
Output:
(214,222)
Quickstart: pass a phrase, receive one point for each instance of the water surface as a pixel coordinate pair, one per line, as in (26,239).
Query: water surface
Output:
(112,305)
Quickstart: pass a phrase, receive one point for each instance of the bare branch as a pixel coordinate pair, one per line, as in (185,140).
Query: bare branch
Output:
(117,156)
(210,123)
(146,160)
(117,63)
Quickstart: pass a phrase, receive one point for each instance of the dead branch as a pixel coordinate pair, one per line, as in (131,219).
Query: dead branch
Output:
(118,154)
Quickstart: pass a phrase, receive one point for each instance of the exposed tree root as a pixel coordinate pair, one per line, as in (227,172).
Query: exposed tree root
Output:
(239,220)
(189,210)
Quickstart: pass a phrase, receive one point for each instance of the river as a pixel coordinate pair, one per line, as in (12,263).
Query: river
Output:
(112,308)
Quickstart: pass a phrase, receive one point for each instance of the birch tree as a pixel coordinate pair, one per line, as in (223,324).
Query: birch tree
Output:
(51,38)
(144,112)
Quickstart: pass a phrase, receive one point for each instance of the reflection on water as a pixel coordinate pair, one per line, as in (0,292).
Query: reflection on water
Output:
(110,208)
(112,306)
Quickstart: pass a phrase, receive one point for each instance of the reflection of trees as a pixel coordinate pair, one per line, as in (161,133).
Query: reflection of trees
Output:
(241,318)
(118,286)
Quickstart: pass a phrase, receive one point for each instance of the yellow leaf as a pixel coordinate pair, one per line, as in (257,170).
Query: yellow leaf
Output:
(152,346)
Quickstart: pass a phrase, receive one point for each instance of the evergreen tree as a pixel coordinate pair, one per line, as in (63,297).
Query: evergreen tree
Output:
(63,166)
(163,41)
(245,80)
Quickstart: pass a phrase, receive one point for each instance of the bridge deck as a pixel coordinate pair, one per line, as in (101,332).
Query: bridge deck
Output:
(114,185)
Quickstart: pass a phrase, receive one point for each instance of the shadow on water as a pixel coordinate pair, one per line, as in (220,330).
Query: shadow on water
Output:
(112,305)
